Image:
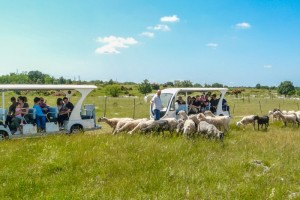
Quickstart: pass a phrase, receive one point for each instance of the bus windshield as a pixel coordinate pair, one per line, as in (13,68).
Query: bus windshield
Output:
(165,99)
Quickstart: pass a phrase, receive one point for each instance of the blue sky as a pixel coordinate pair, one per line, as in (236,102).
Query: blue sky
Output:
(233,42)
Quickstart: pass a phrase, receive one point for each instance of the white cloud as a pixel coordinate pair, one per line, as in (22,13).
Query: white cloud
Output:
(243,25)
(113,44)
(268,66)
(212,45)
(147,34)
(159,27)
(173,18)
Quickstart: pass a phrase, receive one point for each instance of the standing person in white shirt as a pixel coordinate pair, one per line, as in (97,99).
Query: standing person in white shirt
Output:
(156,105)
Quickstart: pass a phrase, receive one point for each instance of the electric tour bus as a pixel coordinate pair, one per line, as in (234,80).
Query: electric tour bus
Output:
(81,118)
(170,106)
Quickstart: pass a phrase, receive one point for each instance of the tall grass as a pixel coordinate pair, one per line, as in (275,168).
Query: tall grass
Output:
(97,165)
(101,166)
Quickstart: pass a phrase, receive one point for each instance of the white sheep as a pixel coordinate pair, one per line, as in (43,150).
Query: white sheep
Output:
(180,125)
(130,125)
(112,122)
(172,124)
(246,120)
(218,121)
(286,118)
(189,128)
(142,124)
(120,124)
(182,115)
(209,113)
(209,130)
(157,126)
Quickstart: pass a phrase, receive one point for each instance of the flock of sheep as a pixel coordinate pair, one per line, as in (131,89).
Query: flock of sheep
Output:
(286,117)
(203,124)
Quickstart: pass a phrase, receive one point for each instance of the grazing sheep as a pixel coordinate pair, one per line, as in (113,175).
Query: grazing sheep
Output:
(218,121)
(208,113)
(292,118)
(112,122)
(264,120)
(120,124)
(172,124)
(130,125)
(246,120)
(209,130)
(141,125)
(182,115)
(180,125)
(189,128)
(157,126)
(195,119)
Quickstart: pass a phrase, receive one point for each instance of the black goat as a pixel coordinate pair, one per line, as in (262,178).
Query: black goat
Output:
(264,120)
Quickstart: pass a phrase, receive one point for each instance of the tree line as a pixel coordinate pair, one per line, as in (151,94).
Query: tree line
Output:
(114,88)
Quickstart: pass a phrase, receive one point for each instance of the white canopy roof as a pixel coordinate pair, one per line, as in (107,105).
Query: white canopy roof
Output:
(44,87)
(176,90)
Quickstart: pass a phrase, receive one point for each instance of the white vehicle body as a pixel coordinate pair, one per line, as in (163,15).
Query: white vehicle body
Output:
(76,119)
(168,98)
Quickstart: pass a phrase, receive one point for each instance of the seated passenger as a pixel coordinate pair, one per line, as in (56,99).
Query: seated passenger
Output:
(181,104)
(40,116)
(11,111)
(214,103)
(65,110)
(20,111)
(225,107)
(44,106)
(205,105)
(196,105)
(180,101)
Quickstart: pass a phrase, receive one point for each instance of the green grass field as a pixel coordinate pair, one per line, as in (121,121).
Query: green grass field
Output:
(97,165)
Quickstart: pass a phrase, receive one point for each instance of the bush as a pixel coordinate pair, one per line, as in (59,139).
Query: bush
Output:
(113,90)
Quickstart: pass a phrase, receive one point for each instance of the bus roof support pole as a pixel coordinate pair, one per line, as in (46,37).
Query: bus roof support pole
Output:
(3,106)
(186,103)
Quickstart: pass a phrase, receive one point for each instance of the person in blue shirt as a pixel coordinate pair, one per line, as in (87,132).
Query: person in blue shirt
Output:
(40,116)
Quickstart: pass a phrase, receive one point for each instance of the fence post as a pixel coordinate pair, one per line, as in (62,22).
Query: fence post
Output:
(233,108)
(260,107)
(105,100)
(133,108)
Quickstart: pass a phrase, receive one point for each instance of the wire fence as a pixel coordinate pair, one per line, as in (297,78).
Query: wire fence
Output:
(136,107)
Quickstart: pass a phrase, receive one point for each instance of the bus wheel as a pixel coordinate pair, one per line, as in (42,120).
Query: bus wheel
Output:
(3,135)
(76,129)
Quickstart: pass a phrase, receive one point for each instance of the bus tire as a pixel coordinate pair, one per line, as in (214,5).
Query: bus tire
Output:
(3,135)
(76,128)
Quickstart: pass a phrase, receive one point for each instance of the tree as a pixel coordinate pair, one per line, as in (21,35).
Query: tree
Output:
(110,82)
(145,87)
(187,83)
(197,85)
(168,84)
(258,86)
(155,86)
(286,88)
(113,90)
(36,76)
(298,92)
(217,85)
